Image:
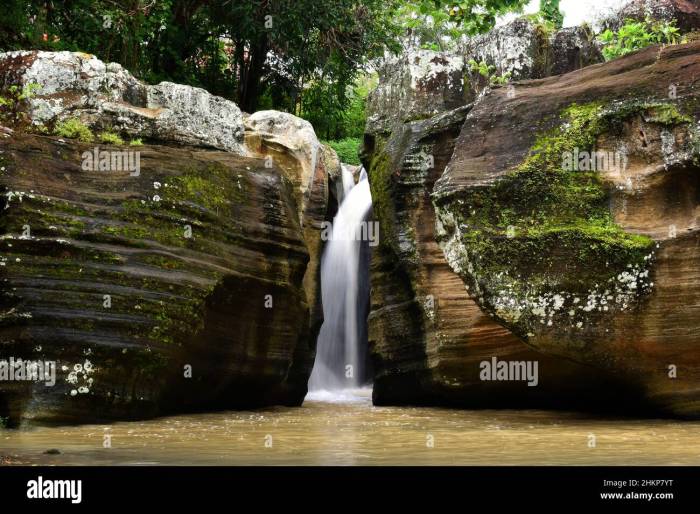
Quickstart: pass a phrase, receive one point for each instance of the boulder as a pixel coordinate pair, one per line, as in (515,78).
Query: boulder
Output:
(186,282)
(428,336)
(570,209)
(417,84)
(107,97)
(420,83)
(523,50)
(686,13)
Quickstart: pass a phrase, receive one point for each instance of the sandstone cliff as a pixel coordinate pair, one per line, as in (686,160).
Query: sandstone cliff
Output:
(479,181)
(600,265)
(192,284)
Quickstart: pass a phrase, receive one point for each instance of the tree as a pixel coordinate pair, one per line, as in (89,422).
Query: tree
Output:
(285,54)
(549,10)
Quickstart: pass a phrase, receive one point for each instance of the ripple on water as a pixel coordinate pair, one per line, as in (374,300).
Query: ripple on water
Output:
(343,428)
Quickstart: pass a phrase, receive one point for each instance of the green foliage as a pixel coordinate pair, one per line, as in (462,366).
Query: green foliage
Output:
(13,100)
(347,149)
(16,31)
(74,129)
(308,57)
(336,120)
(433,23)
(549,11)
(110,138)
(634,35)
(489,71)
(136,142)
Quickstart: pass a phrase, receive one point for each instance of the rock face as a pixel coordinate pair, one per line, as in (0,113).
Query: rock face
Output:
(427,335)
(188,283)
(421,83)
(570,268)
(416,85)
(686,13)
(527,51)
(596,261)
(313,169)
(106,96)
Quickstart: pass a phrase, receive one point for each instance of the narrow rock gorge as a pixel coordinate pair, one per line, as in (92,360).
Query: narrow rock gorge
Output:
(164,248)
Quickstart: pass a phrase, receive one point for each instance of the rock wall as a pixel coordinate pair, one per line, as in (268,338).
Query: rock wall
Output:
(601,266)
(420,83)
(191,284)
(427,334)
(436,315)
(685,13)
(526,50)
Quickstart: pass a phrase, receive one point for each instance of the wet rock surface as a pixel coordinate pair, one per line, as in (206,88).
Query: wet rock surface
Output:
(187,282)
(135,284)
(599,266)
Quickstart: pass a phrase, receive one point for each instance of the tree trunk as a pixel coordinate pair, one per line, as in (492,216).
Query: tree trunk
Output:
(249,92)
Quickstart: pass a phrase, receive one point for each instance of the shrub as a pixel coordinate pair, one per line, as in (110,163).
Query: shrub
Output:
(634,35)
(346,149)
(74,129)
(110,138)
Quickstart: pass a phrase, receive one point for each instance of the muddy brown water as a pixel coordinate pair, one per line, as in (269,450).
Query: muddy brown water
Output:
(348,430)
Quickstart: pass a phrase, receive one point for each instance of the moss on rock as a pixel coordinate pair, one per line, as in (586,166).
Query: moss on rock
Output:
(541,242)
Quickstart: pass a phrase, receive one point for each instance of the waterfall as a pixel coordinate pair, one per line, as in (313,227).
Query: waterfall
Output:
(338,343)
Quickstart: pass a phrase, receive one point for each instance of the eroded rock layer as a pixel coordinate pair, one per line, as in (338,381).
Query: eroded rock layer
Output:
(177,275)
(133,284)
(571,211)
(428,336)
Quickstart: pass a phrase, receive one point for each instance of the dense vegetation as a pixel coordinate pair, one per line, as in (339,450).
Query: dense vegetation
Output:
(634,35)
(308,57)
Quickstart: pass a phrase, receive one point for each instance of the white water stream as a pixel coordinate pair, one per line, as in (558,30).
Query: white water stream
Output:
(338,363)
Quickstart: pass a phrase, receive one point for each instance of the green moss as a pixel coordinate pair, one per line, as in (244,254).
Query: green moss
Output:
(382,201)
(161,261)
(666,114)
(213,187)
(543,228)
(74,129)
(540,196)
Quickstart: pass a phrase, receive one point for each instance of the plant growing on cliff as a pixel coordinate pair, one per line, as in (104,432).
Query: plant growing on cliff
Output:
(110,138)
(489,72)
(12,103)
(74,129)
(635,35)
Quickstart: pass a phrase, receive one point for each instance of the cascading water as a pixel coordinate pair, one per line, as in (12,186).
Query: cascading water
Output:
(339,359)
